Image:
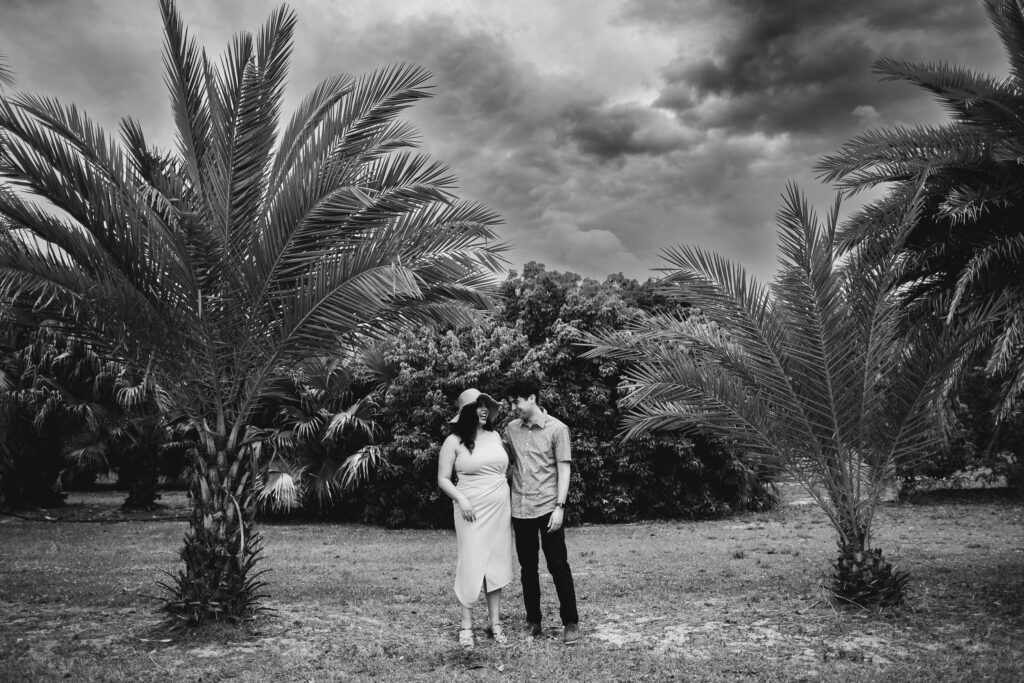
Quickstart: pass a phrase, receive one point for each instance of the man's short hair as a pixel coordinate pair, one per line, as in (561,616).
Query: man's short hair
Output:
(524,388)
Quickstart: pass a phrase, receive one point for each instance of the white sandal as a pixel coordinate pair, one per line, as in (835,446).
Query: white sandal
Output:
(466,638)
(497,634)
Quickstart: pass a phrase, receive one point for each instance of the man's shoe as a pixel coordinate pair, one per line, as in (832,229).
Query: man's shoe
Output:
(532,630)
(572,633)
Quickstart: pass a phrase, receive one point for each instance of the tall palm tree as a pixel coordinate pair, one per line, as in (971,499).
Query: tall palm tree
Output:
(967,249)
(809,374)
(252,246)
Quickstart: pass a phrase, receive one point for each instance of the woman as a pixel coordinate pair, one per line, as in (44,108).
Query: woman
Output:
(483,515)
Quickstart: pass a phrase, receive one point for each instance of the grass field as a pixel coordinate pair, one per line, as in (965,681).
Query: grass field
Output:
(729,600)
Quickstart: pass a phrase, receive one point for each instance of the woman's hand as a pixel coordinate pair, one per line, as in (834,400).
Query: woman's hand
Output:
(468,513)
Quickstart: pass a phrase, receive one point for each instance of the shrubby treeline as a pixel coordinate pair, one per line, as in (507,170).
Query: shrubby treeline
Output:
(356,437)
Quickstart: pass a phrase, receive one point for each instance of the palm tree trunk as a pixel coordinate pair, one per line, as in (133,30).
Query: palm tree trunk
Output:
(862,577)
(221,548)
(141,477)
(141,474)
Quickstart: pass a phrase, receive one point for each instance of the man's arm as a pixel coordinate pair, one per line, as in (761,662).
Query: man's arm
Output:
(563,468)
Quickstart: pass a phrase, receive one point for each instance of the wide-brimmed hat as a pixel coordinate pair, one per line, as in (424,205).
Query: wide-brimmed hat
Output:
(471,396)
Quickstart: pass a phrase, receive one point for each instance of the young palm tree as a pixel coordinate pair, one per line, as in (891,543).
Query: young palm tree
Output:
(98,416)
(253,246)
(809,374)
(325,431)
(967,249)
(33,419)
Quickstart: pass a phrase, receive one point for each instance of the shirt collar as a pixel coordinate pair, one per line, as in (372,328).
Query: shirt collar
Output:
(539,422)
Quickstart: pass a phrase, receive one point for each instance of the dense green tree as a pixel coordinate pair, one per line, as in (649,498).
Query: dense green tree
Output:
(221,265)
(667,476)
(433,367)
(612,482)
(810,374)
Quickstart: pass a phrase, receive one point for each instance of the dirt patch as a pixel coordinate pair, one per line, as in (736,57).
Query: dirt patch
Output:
(105,507)
(771,639)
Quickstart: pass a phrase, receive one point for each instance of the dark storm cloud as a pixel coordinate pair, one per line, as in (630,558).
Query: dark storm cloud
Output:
(511,134)
(617,130)
(667,12)
(484,97)
(804,66)
(566,144)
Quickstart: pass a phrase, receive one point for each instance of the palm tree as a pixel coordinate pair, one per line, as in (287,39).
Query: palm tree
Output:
(33,417)
(966,251)
(325,431)
(68,406)
(251,247)
(808,374)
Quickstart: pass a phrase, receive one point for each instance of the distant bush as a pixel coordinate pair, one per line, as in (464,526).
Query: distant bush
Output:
(977,445)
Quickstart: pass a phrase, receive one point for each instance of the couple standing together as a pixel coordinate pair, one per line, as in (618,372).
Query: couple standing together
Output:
(536,451)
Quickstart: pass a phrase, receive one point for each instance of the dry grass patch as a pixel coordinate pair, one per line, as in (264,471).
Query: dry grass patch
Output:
(731,600)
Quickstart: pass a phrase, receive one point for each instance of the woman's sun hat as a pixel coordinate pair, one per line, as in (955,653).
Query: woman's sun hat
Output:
(470,397)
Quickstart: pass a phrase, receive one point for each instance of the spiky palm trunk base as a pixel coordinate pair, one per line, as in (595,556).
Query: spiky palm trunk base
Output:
(221,550)
(863,578)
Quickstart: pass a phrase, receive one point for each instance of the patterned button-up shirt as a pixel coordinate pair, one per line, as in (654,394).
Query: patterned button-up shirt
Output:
(535,449)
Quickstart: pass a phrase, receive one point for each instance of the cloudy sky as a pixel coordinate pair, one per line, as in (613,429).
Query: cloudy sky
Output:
(601,130)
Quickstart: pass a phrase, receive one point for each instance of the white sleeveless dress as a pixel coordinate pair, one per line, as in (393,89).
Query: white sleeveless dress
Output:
(485,545)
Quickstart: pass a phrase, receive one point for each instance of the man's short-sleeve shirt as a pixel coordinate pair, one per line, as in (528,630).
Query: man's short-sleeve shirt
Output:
(536,448)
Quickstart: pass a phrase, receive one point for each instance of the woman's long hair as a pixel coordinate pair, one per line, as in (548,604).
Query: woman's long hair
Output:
(465,428)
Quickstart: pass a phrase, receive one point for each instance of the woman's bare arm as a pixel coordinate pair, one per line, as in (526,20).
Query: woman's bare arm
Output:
(445,466)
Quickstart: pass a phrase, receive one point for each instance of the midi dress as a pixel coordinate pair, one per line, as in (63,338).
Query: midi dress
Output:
(485,544)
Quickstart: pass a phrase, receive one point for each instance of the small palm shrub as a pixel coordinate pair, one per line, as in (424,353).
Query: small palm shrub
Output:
(812,375)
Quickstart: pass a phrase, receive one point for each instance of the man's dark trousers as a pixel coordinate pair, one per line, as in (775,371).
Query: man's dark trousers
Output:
(558,564)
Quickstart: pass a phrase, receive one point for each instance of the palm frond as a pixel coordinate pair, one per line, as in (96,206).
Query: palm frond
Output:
(901,154)
(282,487)
(1007,252)
(355,419)
(357,467)
(969,97)
(1007,16)
(187,81)
(6,74)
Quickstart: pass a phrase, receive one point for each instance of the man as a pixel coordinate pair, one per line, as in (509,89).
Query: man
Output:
(541,460)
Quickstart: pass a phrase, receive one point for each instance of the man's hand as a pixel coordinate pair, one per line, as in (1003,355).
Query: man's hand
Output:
(555,523)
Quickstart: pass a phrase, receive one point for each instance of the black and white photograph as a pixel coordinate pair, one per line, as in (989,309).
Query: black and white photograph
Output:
(480,340)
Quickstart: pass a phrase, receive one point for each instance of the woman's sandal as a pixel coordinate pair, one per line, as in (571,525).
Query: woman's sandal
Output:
(497,634)
(466,638)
